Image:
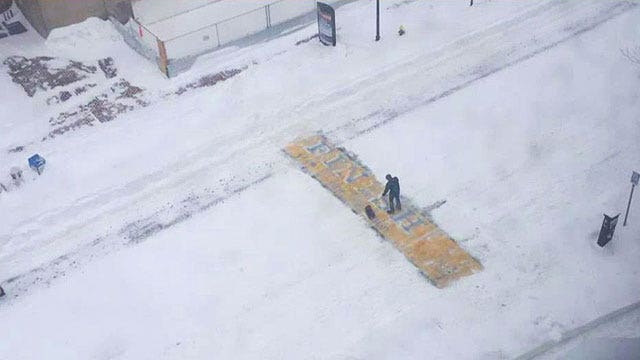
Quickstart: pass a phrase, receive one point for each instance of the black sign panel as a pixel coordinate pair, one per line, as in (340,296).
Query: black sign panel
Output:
(608,227)
(326,24)
(15,27)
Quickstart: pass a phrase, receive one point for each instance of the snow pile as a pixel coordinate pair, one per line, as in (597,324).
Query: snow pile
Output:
(91,38)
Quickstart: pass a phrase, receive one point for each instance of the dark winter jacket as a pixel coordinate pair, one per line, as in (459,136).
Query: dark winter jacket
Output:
(393,186)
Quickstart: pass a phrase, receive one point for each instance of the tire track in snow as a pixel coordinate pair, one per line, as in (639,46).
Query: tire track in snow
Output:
(487,67)
(579,331)
(131,234)
(190,164)
(494,57)
(279,133)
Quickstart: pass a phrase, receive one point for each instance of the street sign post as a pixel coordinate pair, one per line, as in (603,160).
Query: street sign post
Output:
(635,178)
(377,20)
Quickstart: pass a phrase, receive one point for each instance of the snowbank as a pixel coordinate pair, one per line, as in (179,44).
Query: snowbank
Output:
(93,38)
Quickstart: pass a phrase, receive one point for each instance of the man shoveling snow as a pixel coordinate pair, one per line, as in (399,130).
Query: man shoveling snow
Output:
(393,188)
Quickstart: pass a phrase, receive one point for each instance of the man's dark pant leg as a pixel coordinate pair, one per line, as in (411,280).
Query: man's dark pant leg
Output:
(394,200)
(396,197)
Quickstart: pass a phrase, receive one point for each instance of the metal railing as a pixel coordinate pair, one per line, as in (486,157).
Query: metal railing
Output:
(211,36)
(167,49)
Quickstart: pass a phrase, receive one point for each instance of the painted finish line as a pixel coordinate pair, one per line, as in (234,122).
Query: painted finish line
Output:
(429,248)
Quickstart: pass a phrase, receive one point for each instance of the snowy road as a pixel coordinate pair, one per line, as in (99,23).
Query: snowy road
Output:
(363,104)
(511,139)
(618,324)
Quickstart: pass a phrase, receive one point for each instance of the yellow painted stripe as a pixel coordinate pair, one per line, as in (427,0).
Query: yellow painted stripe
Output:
(429,248)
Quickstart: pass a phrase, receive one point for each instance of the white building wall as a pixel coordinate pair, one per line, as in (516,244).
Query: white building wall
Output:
(194,27)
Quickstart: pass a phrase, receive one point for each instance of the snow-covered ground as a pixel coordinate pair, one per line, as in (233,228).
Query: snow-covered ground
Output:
(180,230)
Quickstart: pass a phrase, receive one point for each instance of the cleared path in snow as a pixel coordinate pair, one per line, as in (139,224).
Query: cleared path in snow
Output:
(422,242)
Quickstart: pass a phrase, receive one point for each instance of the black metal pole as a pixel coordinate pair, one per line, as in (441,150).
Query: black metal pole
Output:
(628,206)
(377,20)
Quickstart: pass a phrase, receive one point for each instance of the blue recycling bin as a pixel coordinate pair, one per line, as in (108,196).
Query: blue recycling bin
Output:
(36,162)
